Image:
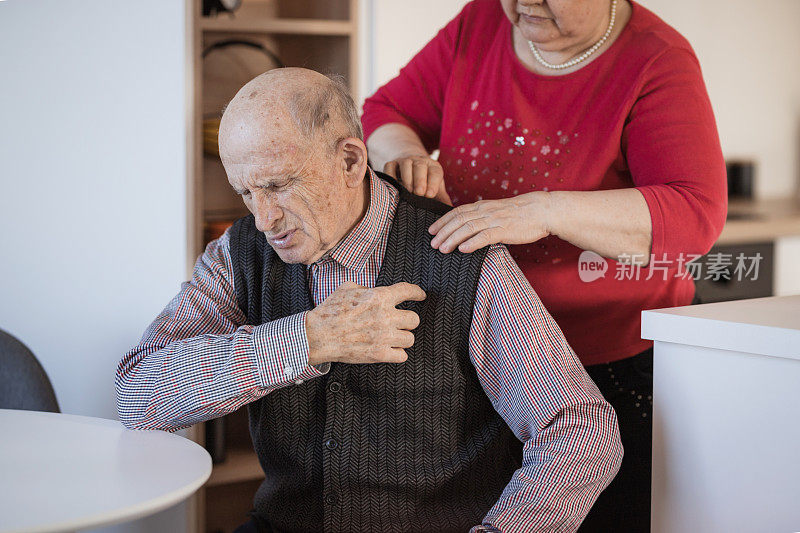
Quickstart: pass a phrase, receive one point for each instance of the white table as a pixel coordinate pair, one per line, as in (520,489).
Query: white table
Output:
(63,472)
(726,416)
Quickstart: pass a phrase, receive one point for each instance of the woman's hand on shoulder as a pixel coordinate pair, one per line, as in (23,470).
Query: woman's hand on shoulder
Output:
(421,175)
(519,220)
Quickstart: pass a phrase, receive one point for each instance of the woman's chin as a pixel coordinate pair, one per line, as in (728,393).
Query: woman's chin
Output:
(542,38)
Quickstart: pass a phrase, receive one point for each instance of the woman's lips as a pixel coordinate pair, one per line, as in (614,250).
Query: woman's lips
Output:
(281,241)
(533,19)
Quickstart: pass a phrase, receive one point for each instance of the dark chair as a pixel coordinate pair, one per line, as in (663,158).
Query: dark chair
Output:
(23,382)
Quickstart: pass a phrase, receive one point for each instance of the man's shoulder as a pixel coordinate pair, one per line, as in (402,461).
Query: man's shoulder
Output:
(429,205)
(498,263)
(414,215)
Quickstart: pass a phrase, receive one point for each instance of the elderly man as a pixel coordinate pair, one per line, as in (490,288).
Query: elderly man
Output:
(304,311)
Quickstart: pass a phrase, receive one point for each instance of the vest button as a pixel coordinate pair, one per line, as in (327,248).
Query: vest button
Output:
(331,444)
(334,386)
(330,499)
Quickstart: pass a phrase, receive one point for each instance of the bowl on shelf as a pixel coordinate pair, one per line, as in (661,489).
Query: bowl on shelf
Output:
(211,136)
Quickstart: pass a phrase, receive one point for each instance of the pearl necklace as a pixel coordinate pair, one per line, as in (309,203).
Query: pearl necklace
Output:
(584,55)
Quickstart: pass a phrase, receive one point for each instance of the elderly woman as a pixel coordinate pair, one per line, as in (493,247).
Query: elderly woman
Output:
(565,126)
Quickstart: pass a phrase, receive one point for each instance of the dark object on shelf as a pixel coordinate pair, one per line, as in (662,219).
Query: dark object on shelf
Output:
(214,7)
(215,439)
(740,179)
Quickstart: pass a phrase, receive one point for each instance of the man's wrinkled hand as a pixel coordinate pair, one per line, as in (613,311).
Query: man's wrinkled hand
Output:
(360,325)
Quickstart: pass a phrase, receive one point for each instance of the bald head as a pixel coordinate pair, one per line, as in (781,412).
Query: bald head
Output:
(295,102)
(290,142)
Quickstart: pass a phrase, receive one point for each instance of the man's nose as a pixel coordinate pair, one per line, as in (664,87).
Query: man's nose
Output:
(265,210)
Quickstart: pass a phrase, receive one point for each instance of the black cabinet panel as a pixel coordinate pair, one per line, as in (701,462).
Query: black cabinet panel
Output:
(728,283)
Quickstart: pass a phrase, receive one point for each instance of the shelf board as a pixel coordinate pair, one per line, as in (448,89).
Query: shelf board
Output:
(219,215)
(239,465)
(275,25)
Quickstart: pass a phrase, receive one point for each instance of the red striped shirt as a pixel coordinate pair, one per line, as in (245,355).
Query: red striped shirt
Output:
(199,360)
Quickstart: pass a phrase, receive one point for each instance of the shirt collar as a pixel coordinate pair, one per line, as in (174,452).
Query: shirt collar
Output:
(356,248)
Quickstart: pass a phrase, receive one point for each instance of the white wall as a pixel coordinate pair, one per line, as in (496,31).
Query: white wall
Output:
(94,99)
(750,54)
(787,272)
(397,31)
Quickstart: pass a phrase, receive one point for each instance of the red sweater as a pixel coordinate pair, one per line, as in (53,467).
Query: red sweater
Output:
(637,116)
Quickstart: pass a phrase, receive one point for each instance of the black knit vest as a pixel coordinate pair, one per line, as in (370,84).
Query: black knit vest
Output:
(415,446)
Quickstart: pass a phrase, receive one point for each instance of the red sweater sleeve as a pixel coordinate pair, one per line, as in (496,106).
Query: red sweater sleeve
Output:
(672,148)
(415,97)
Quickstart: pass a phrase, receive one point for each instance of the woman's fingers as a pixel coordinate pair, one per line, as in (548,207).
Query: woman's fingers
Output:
(461,223)
(407,177)
(421,171)
(391,169)
(421,175)
(481,239)
(473,226)
(442,195)
(456,216)
(435,181)
(466,231)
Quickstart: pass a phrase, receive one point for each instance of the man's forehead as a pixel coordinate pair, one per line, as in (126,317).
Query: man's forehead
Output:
(267,162)
(264,151)
(248,142)
(260,139)
(258,125)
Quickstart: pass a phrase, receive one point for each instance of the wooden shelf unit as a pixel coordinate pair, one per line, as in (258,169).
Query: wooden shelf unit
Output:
(297,26)
(317,34)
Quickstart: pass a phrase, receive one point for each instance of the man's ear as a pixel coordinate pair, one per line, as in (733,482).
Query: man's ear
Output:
(353,154)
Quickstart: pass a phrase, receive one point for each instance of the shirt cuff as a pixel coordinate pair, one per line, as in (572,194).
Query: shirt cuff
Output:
(281,349)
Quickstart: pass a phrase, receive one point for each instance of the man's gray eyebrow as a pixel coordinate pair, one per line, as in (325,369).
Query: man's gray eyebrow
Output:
(288,179)
(283,180)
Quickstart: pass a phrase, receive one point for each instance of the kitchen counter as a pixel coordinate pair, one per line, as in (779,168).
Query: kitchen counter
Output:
(764,326)
(726,412)
(761,220)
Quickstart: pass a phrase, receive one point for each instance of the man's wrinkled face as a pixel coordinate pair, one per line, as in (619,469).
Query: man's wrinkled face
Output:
(296,192)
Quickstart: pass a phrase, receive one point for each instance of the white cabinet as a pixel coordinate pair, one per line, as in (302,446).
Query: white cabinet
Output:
(726,401)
